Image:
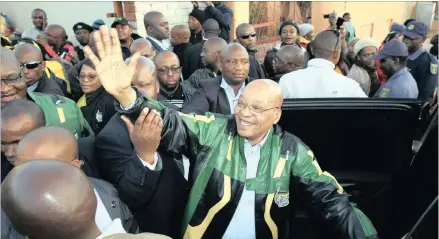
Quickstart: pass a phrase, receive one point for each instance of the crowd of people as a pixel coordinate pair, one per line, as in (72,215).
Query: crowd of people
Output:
(175,135)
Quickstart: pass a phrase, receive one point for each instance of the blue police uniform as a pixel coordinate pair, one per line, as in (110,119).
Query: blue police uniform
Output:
(422,65)
(399,85)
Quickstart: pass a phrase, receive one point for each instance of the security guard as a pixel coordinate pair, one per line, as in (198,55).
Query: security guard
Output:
(422,65)
(393,61)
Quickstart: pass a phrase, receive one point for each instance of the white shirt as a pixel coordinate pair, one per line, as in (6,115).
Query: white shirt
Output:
(233,99)
(102,218)
(114,228)
(319,80)
(162,44)
(31,33)
(242,225)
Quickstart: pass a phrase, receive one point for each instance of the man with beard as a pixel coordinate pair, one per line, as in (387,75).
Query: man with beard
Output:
(33,70)
(157,28)
(126,35)
(82,32)
(364,69)
(349,54)
(56,44)
(196,21)
(246,35)
(169,75)
(422,65)
(288,59)
(192,54)
(221,94)
(400,83)
(211,58)
(39,18)
(180,35)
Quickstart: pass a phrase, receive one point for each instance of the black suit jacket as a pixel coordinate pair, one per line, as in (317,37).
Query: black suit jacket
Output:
(156,197)
(192,60)
(210,97)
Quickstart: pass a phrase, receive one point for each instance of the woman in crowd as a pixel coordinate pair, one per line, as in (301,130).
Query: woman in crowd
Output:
(96,104)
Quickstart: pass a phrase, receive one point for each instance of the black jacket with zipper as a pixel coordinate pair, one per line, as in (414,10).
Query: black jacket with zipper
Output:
(99,109)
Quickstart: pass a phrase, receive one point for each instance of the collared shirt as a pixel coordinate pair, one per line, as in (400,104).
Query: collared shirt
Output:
(33,87)
(233,99)
(416,54)
(319,80)
(102,217)
(163,45)
(242,225)
(399,85)
(31,33)
(114,228)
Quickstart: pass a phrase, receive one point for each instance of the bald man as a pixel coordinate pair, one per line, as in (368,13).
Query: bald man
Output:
(56,44)
(192,54)
(180,35)
(220,95)
(289,58)
(319,80)
(157,28)
(211,58)
(172,88)
(53,142)
(33,67)
(144,47)
(43,208)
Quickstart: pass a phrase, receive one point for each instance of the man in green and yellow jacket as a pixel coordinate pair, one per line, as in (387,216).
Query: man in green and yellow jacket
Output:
(243,168)
(58,110)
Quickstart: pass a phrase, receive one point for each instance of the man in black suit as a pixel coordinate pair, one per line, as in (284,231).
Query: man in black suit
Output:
(192,56)
(221,94)
(57,143)
(157,28)
(124,160)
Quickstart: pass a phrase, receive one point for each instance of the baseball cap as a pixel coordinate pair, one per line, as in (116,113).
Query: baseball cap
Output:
(416,29)
(393,47)
(98,23)
(120,20)
(81,25)
(399,28)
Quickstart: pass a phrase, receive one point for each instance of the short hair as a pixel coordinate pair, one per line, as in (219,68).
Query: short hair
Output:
(21,107)
(39,10)
(344,15)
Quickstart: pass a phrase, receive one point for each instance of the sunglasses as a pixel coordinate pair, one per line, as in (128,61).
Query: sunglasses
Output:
(31,64)
(247,36)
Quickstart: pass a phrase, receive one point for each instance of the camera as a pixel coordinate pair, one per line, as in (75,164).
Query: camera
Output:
(339,23)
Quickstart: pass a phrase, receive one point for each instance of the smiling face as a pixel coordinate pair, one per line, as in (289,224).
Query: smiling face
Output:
(38,19)
(123,31)
(13,86)
(256,115)
(365,56)
(288,35)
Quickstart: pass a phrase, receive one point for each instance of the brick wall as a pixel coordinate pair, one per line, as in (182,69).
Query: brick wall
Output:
(175,12)
(129,11)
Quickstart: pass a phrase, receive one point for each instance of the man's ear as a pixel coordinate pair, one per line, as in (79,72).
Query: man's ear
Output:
(77,163)
(277,115)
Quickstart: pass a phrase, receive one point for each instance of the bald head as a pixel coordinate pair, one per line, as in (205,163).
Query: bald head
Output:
(327,46)
(268,88)
(211,28)
(50,199)
(180,34)
(59,29)
(144,47)
(165,56)
(8,60)
(242,27)
(57,36)
(150,18)
(290,58)
(145,77)
(215,44)
(25,50)
(233,49)
(156,25)
(50,142)
(22,108)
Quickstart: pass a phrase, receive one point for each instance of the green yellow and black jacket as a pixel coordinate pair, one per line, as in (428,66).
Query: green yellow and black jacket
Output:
(287,168)
(63,112)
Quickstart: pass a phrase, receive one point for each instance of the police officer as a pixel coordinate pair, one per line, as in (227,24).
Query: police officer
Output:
(422,65)
(393,60)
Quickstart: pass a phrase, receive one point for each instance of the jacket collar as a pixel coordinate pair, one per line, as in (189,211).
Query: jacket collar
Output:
(320,62)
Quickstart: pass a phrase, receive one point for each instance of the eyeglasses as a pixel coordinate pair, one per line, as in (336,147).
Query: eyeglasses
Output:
(254,110)
(337,34)
(12,81)
(31,64)
(247,36)
(89,76)
(165,70)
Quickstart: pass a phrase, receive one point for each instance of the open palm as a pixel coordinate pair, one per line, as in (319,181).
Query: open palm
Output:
(113,73)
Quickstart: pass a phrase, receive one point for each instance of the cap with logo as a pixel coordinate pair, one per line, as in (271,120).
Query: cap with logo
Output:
(393,47)
(120,20)
(416,29)
(82,26)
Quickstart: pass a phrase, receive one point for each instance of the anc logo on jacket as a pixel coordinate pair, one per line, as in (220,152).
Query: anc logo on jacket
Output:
(433,69)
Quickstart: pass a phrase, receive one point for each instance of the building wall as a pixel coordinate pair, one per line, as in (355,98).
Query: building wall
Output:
(63,13)
(370,19)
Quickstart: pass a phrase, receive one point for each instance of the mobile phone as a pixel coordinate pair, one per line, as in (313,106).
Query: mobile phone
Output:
(339,23)
(325,16)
